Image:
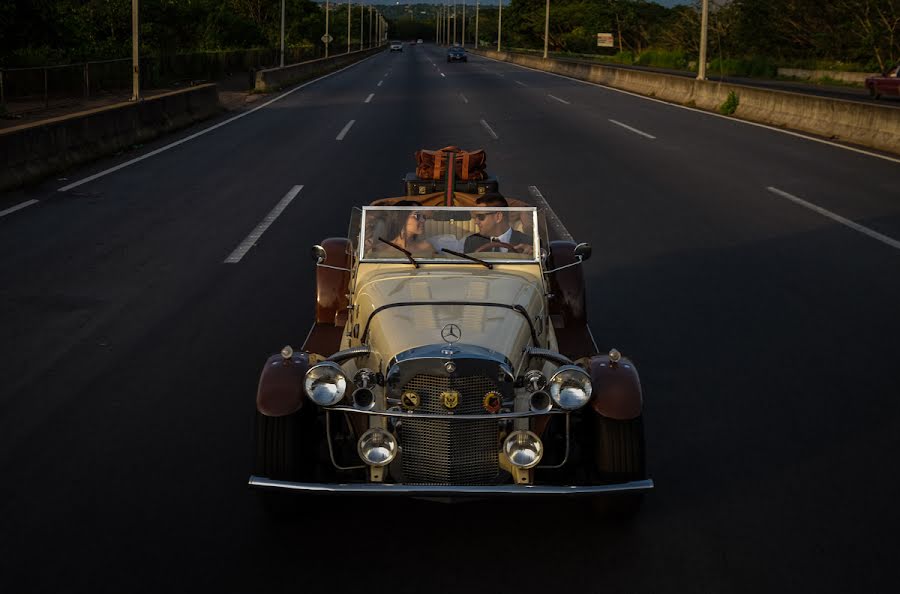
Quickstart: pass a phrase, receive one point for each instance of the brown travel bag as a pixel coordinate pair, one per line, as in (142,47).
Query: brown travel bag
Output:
(468,165)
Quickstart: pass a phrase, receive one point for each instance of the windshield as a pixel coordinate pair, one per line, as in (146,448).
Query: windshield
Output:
(433,234)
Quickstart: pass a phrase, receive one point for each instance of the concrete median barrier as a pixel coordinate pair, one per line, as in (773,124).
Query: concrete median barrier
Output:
(863,124)
(32,151)
(273,79)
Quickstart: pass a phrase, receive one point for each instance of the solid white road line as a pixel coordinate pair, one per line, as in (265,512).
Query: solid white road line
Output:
(518,82)
(369,98)
(254,236)
(202,132)
(489,130)
(635,130)
(711,114)
(836,217)
(558,99)
(19,206)
(463,97)
(552,219)
(346,129)
(379,83)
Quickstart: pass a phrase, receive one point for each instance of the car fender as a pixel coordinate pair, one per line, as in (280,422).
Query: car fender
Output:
(280,390)
(332,286)
(616,388)
(567,285)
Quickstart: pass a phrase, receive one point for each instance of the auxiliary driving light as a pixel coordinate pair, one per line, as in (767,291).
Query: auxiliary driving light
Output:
(524,449)
(377,447)
(570,387)
(325,383)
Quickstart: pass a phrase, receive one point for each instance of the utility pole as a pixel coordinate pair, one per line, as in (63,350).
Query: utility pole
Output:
(370,26)
(476,24)
(362,19)
(464,25)
(704,25)
(327,12)
(499,24)
(282,34)
(437,27)
(454,22)
(135,56)
(348,26)
(546,29)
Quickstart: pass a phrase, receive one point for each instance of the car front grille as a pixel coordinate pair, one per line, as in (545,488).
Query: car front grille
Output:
(448,452)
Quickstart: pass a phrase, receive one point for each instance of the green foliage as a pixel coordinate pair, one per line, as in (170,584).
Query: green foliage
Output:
(661,58)
(730,105)
(758,66)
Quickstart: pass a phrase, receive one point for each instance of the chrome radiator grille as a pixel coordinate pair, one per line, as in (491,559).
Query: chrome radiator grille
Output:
(450,452)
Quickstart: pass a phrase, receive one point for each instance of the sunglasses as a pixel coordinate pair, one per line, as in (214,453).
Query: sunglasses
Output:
(482,216)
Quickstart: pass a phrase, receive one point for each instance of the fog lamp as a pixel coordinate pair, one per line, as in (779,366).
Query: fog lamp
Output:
(325,383)
(377,447)
(524,449)
(570,387)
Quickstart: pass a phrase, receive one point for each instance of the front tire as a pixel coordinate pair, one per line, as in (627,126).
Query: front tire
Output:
(281,443)
(620,457)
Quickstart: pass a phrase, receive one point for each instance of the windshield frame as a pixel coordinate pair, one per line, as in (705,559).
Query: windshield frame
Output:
(536,251)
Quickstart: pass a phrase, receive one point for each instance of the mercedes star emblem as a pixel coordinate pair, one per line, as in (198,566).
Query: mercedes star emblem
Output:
(451,333)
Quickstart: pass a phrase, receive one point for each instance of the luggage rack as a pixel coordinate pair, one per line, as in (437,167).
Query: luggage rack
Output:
(449,183)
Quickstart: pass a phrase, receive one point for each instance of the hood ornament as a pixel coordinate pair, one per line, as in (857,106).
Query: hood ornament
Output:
(451,333)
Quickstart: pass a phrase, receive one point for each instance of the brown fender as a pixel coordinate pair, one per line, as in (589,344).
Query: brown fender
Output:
(280,391)
(567,286)
(616,388)
(332,285)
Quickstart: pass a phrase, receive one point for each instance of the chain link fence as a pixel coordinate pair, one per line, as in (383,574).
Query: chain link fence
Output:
(35,89)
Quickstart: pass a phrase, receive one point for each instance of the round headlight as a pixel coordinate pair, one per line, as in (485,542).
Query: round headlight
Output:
(377,447)
(570,387)
(325,383)
(524,449)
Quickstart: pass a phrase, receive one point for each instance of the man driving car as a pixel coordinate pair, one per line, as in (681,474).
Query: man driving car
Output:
(493,227)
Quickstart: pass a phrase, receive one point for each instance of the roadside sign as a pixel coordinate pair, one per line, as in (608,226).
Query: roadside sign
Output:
(605,40)
(327,39)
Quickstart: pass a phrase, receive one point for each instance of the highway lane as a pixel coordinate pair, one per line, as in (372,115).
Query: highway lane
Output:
(764,331)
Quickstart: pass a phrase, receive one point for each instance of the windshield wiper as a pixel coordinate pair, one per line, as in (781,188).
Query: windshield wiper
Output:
(395,246)
(468,257)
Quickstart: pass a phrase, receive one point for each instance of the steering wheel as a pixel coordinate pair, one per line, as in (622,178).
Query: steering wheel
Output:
(493,244)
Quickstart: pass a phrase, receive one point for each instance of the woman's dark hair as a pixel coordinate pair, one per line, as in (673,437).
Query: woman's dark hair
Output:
(396,221)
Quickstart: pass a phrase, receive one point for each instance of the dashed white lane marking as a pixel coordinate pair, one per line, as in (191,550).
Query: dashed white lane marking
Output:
(202,132)
(552,219)
(635,130)
(379,83)
(836,217)
(518,82)
(254,236)
(443,75)
(369,98)
(346,129)
(489,130)
(463,97)
(19,206)
(558,99)
(709,113)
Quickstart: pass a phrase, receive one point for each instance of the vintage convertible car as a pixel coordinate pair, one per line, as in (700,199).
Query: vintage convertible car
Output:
(449,370)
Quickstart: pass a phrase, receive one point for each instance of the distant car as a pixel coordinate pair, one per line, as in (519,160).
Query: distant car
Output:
(396,46)
(419,41)
(457,54)
(886,84)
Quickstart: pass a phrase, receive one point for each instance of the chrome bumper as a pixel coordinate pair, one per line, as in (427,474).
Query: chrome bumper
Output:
(450,490)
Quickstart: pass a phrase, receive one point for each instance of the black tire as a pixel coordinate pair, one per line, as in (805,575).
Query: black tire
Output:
(620,457)
(281,443)
(874,94)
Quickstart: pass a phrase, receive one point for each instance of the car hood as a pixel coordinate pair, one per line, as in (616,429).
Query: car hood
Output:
(398,311)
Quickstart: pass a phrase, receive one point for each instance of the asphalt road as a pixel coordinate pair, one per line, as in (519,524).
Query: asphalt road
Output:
(766,334)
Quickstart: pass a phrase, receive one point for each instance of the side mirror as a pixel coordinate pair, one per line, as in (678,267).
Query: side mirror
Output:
(583,251)
(318,254)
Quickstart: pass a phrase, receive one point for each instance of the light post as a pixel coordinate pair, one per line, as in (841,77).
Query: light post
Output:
(464,25)
(546,29)
(348,26)
(499,24)
(327,11)
(135,56)
(362,19)
(437,26)
(454,22)
(370,26)
(704,23)
(281,61)
(476,24)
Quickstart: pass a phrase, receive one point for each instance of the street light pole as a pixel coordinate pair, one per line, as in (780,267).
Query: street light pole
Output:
(135,56)
(546,29)
(327,13)
(348,26)
(454,22)
(281,62)
(499,24)
(476,24)
(464,25)
(370,26)
(362,19)
(704,24)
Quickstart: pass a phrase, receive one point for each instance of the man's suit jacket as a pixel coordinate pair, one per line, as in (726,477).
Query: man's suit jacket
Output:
(473,242)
